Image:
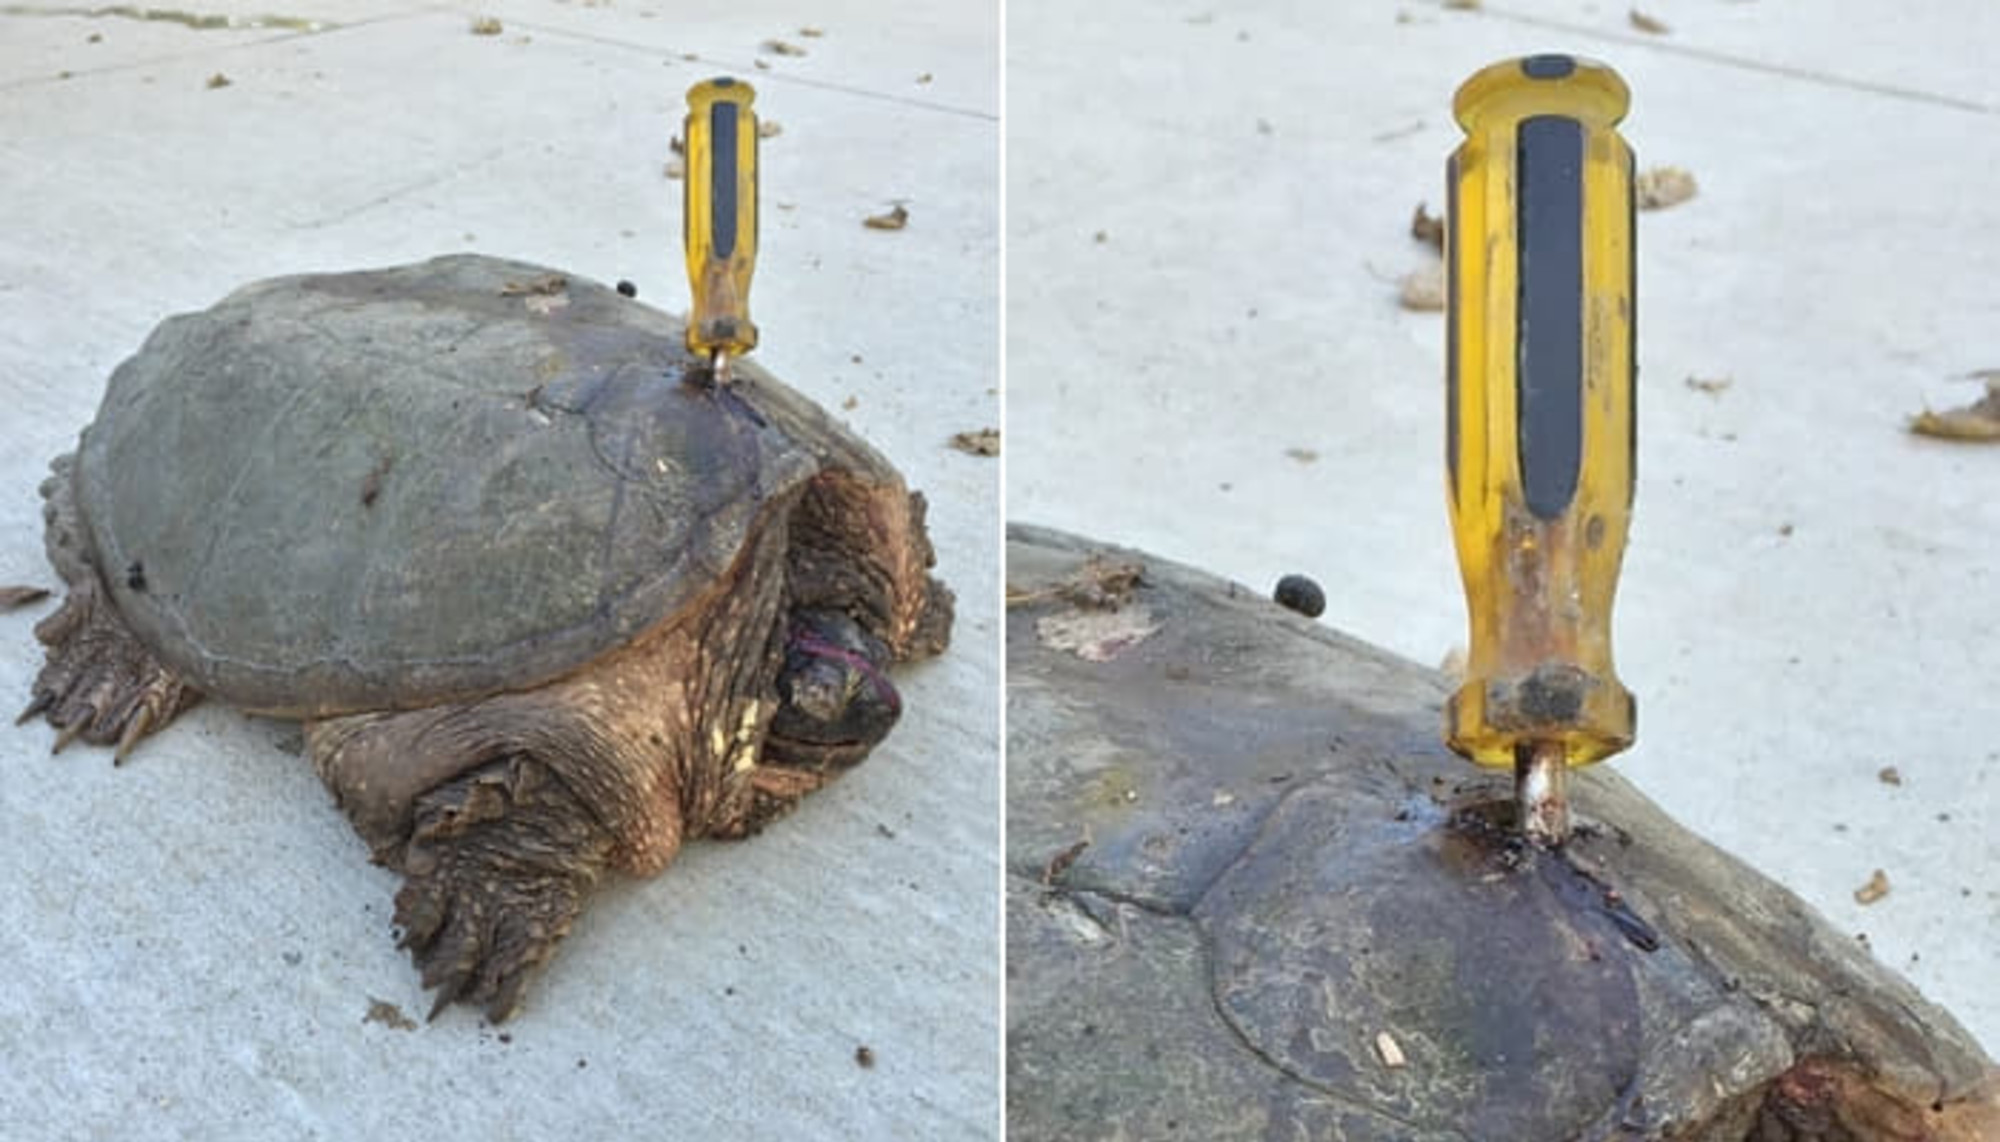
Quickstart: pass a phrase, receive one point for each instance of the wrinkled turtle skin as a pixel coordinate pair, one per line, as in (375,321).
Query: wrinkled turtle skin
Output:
(548,601)
(1251,896)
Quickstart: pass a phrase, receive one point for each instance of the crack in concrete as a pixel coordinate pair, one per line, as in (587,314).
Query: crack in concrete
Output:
(198,21)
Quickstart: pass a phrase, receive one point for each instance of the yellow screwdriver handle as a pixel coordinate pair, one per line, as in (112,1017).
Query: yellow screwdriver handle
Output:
(719,216)
(1539,440)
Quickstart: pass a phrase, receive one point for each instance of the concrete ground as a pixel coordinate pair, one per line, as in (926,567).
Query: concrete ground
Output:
(195,941)
(1208,206)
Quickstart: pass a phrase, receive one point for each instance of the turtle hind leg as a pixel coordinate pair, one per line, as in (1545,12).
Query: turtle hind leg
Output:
(497,868)
(98,682)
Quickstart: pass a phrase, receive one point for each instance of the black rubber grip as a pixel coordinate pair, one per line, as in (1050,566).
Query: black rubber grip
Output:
(722,178)
(1549,311)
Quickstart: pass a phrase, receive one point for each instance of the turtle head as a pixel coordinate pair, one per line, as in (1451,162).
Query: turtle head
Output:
(835,700)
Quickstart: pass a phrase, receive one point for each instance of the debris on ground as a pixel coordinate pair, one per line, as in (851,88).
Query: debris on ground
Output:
(924,78)
(1464,5)
(1385,1046)
(11,597)
(538,287)
(1660,187)
(851,403)
(1427,228)
(769,128)
(979,442)
(1876,888)
(487,26)
(1979,420)
(1713,386)
(1889,775)
(896,218)
(1423,290)
(388,1015)
(1059,863)
(219,80)
(1101,584)
(783,48)
(676,168)
(1648,24)
(864,1056)
(812,33)
(1302,455)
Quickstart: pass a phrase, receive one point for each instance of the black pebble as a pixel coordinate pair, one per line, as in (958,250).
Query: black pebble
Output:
(628,289)
(1298,593)
(135,576)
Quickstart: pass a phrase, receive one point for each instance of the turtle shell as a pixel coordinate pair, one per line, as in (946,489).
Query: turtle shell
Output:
(1251,896)
(385,489)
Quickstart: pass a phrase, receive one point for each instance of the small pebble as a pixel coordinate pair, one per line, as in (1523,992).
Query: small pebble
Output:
(1298,593)
(628,289)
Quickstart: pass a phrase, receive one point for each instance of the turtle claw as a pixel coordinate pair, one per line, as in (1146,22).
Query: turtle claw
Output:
(100,683)
(496,871)
(69,734)
(479,934)
(140,723)
(42,701)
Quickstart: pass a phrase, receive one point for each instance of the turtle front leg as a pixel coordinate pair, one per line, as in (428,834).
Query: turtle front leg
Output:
(498,866)
(99,682)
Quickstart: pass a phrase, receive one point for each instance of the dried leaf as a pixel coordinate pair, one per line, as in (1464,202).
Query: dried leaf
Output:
(1979,420)
(1423,290)
(895,219)
(1876,888)
(769,128)
(1713,386)
(1101,584)
(219,80)
(1059,863)
(1648,24)
(812,33)
(782,48)
(924,78)
(388,1015)
(1889,775)
(676,168)
(1302,455)
(1427,228)
(1661,187)
(11,597)
(487,26)
(979,442)
(539,287)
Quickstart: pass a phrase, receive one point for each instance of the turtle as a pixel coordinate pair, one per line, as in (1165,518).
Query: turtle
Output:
(1251,895)
(548,600)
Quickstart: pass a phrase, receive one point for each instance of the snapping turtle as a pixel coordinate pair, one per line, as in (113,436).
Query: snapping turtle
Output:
(1250,895)
(547,600)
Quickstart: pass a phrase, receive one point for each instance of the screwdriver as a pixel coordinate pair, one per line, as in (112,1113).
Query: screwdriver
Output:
(719,220)
(1540,443)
